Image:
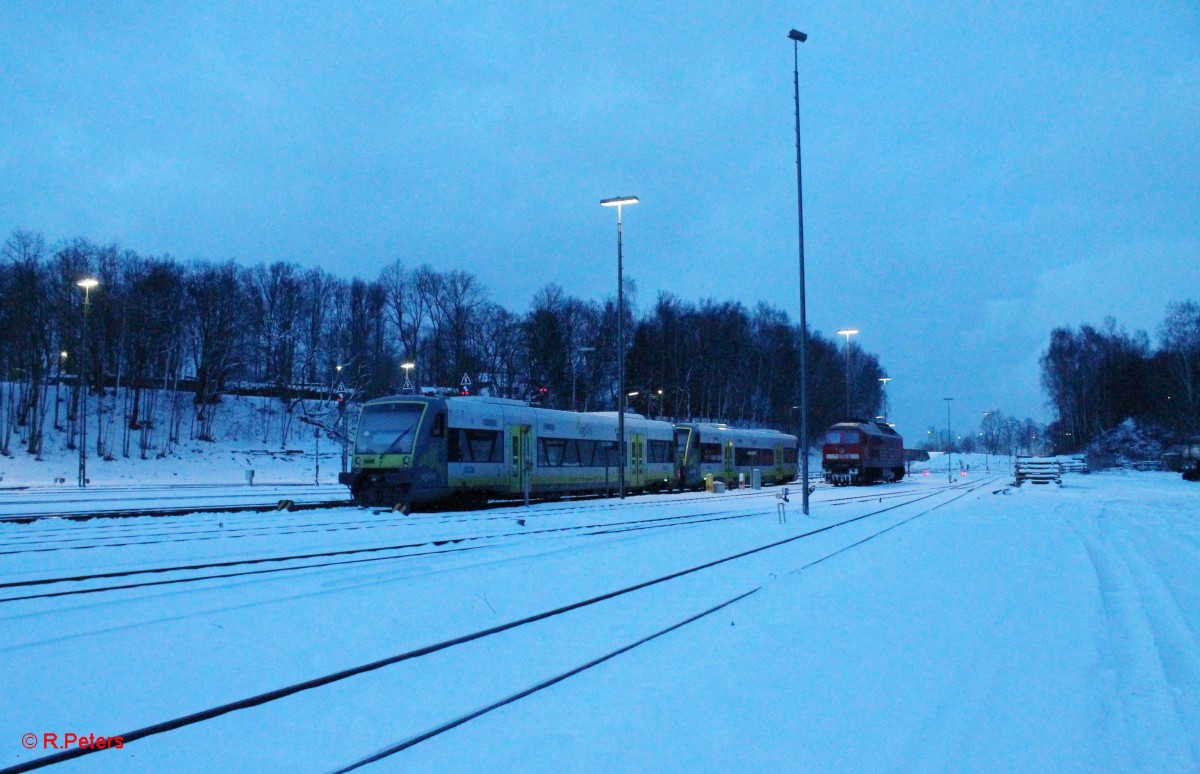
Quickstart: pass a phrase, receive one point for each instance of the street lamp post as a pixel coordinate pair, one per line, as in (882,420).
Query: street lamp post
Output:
(87,284)
(62,359)
(987,443)
(949,442)
(619,202)
(885,380)
(847,332)
(797,37)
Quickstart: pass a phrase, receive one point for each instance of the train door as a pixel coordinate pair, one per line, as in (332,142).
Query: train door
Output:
(682,458)
(780,476)
(637,460)
(728,462)
(520,459)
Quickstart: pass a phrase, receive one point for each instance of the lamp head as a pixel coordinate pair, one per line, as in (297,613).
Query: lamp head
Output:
(88,283)
(618,201)
(797,36)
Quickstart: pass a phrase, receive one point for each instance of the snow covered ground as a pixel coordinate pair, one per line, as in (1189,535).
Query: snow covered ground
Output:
(964,627)
(248,436)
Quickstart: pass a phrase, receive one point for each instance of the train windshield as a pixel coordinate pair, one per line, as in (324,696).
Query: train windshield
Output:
(841,436)
(388,428)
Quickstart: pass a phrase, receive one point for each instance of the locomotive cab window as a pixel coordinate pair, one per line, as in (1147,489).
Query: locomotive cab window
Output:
(710,452)
(833,436)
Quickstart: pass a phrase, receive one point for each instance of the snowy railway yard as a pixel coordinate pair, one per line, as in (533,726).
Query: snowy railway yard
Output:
(914,626)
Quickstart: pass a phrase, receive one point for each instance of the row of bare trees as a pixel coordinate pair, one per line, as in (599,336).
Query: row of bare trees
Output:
(996,433)
(1096,378)
(166,339)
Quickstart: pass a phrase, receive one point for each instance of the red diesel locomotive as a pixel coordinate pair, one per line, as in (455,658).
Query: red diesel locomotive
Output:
(861,452)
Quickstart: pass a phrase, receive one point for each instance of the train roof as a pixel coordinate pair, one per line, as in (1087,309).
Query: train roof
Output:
(723,430)
(869,427)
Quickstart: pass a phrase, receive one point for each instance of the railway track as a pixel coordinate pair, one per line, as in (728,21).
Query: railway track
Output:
(435,546)
(123,502)
(554,613)
(120,535)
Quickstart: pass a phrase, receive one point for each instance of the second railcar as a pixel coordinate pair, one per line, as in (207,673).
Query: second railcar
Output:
(725,452)
(861,452)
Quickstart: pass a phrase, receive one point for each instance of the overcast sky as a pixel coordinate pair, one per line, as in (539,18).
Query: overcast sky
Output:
(975,174)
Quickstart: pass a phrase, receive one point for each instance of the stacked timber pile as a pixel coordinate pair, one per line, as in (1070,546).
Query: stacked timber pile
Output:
(1074,465)
(1038,470)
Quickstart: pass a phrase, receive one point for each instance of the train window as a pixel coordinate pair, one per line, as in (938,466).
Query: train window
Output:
(833,436)
(388,428)
(484,445)
(587,452)
(754,457)
(439,425)
(789,454)
(660,451)
(474,446)
(710,452)
(550,452)
(606,454)
(851,436)
(571,454)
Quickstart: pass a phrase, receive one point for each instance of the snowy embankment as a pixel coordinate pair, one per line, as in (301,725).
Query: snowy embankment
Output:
(248,434)
(1045,629)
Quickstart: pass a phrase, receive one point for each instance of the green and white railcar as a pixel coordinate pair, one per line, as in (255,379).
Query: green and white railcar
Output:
(419,451)
(732,455)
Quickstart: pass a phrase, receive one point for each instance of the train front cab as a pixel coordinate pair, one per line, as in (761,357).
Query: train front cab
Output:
(399,453)
(858,452)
